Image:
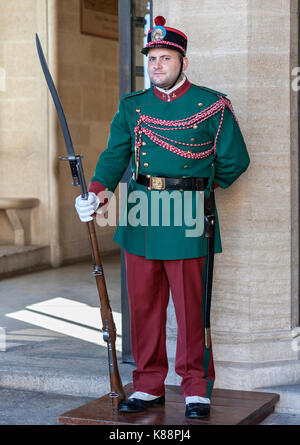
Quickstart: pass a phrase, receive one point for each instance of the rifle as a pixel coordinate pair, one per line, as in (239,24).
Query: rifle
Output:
(108,326)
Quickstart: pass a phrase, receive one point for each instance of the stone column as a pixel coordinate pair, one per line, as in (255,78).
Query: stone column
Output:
(235,47)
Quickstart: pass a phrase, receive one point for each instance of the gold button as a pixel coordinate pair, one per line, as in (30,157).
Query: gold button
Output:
(200,104)
(138,110)
(144,143)
(144,153)
(181,190)
(149,188)
(195,127)
(148,176)
(146,164)
(193,140)
(186,166)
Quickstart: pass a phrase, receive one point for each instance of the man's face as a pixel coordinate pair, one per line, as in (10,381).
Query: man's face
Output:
(164,66)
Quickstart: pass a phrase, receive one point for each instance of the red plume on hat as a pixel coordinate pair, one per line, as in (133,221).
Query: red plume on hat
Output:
(159,20)
(163,36)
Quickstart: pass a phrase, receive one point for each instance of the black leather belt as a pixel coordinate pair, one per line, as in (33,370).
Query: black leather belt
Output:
(167,183)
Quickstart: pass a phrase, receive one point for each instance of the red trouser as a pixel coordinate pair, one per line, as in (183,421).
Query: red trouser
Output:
(148,285)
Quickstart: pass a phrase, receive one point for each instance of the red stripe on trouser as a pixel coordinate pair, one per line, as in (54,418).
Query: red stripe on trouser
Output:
(148,285)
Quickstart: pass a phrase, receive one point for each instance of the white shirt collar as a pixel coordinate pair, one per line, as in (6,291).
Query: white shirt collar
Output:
(178,85)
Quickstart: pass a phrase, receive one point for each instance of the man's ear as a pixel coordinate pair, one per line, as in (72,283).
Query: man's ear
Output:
(185,63)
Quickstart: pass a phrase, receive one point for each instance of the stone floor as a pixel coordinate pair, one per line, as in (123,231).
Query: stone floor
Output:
(51,355)
(282,419)
(19,407)
(51,323)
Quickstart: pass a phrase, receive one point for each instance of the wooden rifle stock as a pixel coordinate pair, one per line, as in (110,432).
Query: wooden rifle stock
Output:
(109,330)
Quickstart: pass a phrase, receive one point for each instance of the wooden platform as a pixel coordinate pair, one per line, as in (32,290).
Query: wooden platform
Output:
(228,407)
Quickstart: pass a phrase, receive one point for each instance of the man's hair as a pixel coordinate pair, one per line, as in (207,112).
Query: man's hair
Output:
(181,56)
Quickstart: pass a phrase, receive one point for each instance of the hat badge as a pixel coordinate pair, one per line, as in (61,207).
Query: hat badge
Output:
(159,32)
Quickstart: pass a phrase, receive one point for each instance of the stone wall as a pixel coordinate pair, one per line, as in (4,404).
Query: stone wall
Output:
(23,109)
(235,47)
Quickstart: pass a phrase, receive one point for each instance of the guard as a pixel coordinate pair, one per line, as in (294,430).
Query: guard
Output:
(184,141)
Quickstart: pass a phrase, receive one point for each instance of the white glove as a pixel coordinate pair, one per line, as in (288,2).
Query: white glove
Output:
(87,207)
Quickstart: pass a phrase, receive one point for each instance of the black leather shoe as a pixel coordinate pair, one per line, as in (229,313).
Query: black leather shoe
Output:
(197,410)
(137,405)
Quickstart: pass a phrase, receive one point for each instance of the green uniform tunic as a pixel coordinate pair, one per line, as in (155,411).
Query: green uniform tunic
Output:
(224,166)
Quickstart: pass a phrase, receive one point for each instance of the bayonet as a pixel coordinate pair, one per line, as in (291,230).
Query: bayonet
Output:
(75,161)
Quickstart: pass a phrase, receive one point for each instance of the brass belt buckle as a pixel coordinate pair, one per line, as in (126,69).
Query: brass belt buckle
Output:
(157,183)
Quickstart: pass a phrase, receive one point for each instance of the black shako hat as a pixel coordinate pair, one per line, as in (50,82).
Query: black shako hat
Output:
(164,37)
